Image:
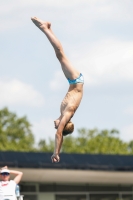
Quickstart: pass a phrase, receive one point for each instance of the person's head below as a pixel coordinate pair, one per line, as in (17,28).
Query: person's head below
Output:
(5,174)
(68,129)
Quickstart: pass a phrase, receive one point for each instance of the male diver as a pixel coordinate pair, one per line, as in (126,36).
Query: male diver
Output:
(74,95)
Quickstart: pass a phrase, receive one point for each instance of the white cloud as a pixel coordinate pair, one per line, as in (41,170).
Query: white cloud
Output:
(15,92)
(111,8)
(129,110)
(15,13)
(127,133)
(106,61)
(58,81)
(44,129)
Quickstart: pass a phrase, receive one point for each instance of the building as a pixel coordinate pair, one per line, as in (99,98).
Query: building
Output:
(75,177)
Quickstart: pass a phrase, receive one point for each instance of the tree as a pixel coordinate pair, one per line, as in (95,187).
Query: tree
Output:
(43,146)
(15,132)
(96,142)
(16,135)
(130,147)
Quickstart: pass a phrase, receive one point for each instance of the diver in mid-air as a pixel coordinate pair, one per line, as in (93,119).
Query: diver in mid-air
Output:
(74,95)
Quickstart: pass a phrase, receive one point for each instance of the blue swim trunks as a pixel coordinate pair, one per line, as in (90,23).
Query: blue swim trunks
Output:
(80,79)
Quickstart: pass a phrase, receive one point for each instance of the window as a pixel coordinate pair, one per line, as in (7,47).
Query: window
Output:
(27,188)
(104,197)
(127,197)
(70,197)
(109,188)
(62,188)
(30,197)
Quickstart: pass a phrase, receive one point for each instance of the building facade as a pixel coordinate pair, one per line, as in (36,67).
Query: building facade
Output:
(76,177)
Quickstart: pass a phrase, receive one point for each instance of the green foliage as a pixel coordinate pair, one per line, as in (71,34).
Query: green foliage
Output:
(130,147)
(16,135)
(15,132)
(92,141)
(96,142)
(43,146)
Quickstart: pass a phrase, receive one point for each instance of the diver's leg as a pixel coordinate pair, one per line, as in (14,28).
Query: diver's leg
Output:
(69,71)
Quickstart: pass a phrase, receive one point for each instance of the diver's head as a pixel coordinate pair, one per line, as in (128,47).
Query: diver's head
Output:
(68,129)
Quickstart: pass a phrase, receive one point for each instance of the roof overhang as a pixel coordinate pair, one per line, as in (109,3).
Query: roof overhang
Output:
(75,176)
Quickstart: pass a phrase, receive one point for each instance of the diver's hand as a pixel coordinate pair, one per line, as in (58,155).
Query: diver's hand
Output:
(55,158)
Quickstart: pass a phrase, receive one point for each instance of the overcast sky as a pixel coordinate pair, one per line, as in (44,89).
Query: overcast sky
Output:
(97,36)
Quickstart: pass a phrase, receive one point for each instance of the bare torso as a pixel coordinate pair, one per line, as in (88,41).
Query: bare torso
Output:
(72,99)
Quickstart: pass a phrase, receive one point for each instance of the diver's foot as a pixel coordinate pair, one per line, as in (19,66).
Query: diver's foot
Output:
(41,24)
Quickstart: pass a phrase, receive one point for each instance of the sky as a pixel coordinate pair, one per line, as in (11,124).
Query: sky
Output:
(97,37)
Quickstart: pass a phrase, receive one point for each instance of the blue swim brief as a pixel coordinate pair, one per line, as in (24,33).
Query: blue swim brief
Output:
(80,79)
